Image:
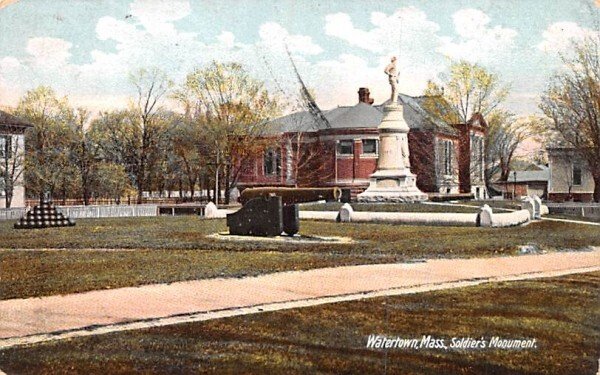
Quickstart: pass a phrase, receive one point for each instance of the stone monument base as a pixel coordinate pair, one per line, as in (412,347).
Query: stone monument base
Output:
(395,186)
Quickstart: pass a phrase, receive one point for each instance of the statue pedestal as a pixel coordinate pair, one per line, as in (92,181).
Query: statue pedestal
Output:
(393,180)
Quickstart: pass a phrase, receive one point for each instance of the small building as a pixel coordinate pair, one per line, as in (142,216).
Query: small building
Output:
(447,158)
(570,177)
(526,183)
(12,146)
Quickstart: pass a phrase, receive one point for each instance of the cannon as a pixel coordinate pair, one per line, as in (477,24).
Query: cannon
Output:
(270,211)
(293,195)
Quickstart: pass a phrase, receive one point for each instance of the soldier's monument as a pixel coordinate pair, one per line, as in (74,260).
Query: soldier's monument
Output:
(393,180)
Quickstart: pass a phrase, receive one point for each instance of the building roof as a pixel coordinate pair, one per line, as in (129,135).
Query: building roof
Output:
(8,120)
(363,115)
(530,176)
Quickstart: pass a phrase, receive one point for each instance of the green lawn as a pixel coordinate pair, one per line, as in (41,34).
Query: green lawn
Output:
(562,314)
(167,249)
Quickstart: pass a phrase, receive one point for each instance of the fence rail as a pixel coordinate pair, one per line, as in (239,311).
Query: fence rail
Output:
(90,212)
(591,210)
(11,213)
(124,201)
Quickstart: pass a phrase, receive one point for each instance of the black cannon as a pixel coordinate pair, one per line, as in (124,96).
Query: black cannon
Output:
(271,211)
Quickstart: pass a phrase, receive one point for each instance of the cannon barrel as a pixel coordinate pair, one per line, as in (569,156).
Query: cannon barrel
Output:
(293,195)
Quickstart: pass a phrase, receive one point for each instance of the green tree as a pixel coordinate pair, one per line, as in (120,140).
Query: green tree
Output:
(468,89)
(232,110)
(110,181)
(47,143)
(188,153)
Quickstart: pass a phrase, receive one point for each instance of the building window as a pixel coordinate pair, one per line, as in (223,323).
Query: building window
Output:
(576,174)
(477,155)
(369,146)
(272,163)
(448,151)
(345,147)
(6,146)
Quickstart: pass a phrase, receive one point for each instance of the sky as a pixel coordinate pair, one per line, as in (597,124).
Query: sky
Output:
(86,49)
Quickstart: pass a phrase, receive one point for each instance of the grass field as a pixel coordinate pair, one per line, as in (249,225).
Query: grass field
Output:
(167,249)
(562,314)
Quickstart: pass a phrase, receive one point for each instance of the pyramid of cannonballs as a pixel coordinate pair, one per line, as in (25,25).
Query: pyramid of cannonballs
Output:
(44,215)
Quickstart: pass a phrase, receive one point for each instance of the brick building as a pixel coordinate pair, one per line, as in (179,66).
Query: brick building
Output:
(447,158)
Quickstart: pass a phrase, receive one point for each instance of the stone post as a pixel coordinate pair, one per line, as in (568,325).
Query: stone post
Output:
(485,216)
(345,214)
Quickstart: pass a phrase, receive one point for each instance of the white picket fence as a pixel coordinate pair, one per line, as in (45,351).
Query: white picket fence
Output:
(11,213)
(90,212)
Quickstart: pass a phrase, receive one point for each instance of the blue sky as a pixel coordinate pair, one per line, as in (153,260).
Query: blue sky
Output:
(85,49)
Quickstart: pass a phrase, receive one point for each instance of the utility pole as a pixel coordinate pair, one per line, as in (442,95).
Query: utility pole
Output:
(514,185)
(217,192)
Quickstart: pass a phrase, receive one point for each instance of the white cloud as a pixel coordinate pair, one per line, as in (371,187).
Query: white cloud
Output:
(402,31)
(157,15)
(49,52)
(150,39)
(340,25)
(226,38)
(476,40)
(147,39)
(559,36)
(110,28)
(406,33)
(8,64)
(276,37)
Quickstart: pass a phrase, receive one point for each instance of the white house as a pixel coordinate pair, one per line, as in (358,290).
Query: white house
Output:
(570,177)
(12,147)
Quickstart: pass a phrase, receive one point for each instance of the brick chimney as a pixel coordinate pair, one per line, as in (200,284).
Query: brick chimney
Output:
(363,96)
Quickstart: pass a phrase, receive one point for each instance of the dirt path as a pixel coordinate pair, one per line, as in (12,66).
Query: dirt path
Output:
(31,320)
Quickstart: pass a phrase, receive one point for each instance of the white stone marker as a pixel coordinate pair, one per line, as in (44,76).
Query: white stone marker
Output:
(485,216)
(537,207)
(527,204)
(345,214)
(210,211)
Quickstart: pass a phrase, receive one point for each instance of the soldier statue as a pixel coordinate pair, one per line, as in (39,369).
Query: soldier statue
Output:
(392,71)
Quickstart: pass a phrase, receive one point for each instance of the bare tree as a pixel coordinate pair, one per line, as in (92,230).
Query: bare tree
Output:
(83,152)
(12,162)
(505,134)
(151,127)
(572,102)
